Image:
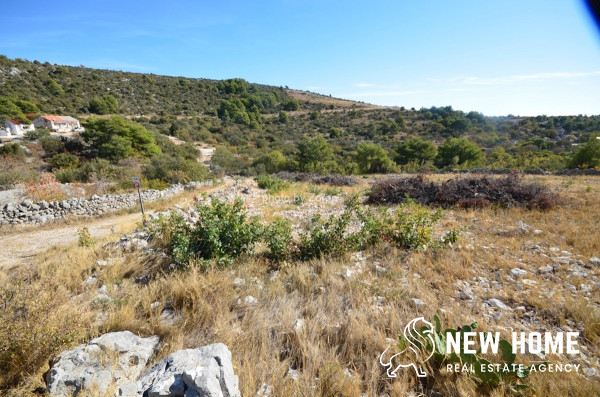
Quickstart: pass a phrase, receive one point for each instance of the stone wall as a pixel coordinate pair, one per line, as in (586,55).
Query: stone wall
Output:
(28,212)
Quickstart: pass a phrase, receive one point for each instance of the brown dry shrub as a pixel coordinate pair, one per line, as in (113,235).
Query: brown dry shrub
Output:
(470,192)
(46,188)
(27,336)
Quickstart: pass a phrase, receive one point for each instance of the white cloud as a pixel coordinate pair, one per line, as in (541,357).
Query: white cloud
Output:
(382,94)
(474,80)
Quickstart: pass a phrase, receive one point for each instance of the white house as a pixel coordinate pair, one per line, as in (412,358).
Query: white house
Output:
(16,127)
(57,123)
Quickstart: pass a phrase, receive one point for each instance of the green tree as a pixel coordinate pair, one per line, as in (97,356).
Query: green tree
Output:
(415,150)
(373,159)
(459,152)
(290,105)
(116,138)
(8,109)
(284,117)
(26,106)
(316,155)
(54,88)
(105,105)
(272,162)
(588,155)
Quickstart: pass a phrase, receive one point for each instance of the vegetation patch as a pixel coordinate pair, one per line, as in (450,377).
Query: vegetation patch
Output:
(329,179)
(469,192)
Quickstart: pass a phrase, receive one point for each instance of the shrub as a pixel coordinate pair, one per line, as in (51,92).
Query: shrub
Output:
(63,160)
(36,134)
(329,179)
(466,192)
(46,188)
(84,238)
(271,184)
(412,228)
(278,238)
(12,150)
(222,233)
(588,156)
(27,337)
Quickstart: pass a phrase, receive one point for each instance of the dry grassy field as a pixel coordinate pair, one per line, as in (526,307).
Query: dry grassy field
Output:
(318,327)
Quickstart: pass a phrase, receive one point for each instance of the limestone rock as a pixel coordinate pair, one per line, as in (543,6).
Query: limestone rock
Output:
(206,371)
(115,358)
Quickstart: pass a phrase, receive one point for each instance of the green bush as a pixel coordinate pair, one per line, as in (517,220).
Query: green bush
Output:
(222,233)
(64,160)
(12,150)
(271,184)
(36,134)
(413,227)
(279,241)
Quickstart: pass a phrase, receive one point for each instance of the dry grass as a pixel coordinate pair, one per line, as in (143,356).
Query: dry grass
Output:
(344,330)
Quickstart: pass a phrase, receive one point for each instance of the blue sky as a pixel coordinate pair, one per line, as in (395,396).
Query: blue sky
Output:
(514,56)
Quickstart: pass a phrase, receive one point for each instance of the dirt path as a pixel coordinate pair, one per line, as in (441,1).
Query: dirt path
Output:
(21,246)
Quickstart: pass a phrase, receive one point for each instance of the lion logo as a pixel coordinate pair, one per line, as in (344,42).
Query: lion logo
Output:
(421,347)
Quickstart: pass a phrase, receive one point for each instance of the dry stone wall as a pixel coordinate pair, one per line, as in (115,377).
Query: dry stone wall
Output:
(28,212)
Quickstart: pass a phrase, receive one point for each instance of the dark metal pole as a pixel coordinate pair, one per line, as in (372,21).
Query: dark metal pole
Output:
(142,205)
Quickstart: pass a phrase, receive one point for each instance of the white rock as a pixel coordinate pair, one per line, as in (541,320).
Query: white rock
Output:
(250,300)
(418,303)
(516,272)
(595,261)
(299,325)
(239,282)
(294,374)
(497,304)
(206,371)
(591,372)
(115,358)
(265,390)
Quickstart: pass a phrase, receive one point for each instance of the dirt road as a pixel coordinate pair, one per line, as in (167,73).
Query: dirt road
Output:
(21,246)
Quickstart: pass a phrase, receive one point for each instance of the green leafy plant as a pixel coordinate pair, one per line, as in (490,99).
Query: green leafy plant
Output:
(222,234)
(271,184)
(84,237)
(278,238)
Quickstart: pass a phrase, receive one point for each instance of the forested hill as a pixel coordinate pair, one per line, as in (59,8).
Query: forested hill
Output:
(258,128)
(81,90)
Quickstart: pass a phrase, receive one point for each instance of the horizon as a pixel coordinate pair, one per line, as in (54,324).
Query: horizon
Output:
(539,58)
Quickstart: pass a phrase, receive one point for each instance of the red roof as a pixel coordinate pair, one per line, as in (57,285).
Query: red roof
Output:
(53,118)
(16,121)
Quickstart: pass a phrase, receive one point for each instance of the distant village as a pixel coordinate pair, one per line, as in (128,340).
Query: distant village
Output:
(55,124)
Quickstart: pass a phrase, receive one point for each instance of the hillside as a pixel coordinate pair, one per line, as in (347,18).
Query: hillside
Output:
(259,129)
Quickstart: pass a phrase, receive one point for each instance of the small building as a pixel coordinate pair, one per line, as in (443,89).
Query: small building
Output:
(16,127)
(57,123)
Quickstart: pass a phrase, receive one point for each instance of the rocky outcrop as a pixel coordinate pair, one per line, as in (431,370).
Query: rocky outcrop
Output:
(116,361)
(113,359)
(206,371)
(28,212)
